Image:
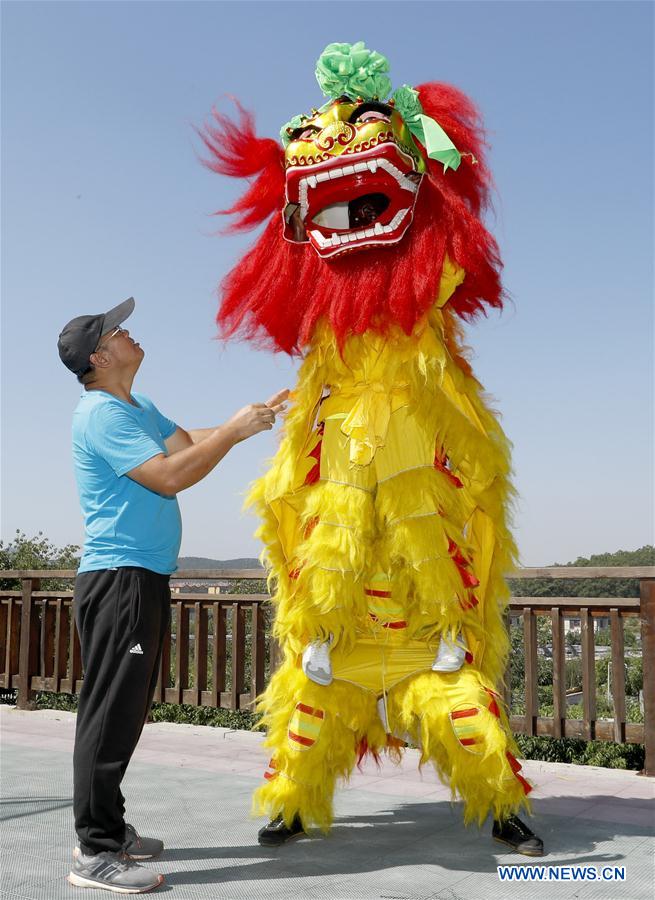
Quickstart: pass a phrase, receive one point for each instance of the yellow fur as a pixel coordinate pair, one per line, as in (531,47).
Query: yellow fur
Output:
(361,496)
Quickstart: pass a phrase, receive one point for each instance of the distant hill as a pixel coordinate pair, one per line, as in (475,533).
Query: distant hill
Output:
(645,556)
(589,587)
(202,562)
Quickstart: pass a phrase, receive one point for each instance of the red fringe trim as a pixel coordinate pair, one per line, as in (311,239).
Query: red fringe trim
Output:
(441,464)
(315,472)
(468,578)
(364,750)
(516,769)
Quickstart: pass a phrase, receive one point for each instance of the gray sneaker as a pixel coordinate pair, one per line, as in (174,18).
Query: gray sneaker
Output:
(113,872)
(139,847)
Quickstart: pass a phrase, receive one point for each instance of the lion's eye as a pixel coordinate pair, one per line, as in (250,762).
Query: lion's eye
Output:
(371,111)
(305,133)
(373,115)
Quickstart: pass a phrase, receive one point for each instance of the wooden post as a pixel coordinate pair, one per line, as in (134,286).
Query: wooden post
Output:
(258,651)
(47,645)
(647,615)
(588,674)
(618,676)
(181,650)
(29,645)
(506,685)
(219,654)
(559,672)
(61,643)
(238,654)
(200,620)
(531,669)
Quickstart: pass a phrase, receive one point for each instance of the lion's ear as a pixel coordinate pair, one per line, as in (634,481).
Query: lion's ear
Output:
(235,150)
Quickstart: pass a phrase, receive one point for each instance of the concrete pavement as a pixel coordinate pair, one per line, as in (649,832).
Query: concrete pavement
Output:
(396,837)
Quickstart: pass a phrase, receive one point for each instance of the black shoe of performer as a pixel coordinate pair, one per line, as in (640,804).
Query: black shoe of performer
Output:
(513,832)
(276,832)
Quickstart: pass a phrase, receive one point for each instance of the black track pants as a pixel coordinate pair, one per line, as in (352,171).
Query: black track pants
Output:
(122,616)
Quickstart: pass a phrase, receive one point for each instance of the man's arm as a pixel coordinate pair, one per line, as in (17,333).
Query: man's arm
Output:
(189,464)
(181,439)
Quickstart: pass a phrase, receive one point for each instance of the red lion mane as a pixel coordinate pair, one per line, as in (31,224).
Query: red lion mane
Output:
(278,291)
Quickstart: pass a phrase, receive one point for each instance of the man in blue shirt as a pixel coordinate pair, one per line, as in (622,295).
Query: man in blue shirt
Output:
(130,462)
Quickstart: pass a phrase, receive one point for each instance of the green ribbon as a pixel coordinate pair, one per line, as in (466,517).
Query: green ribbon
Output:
(435,140)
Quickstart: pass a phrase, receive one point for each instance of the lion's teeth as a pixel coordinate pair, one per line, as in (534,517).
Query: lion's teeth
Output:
(311,180)
(378,229)
(372,165)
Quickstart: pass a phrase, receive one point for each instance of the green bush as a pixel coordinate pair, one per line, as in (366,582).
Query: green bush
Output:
(584,753)
(241,719)
(634,677)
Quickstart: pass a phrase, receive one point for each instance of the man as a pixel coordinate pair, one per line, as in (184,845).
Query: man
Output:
(130,462)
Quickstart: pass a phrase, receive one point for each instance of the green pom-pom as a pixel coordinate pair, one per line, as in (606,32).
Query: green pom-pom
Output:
(354,71)
(407,103)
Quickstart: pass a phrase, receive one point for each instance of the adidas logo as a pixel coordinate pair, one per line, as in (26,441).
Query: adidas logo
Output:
(136,649)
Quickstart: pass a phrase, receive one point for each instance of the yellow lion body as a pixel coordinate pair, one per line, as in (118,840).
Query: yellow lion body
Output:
(384,522)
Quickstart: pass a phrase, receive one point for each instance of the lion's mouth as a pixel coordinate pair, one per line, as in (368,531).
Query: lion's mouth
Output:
(347,206)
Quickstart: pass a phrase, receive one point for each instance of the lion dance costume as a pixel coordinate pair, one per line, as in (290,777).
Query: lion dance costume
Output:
(384,512)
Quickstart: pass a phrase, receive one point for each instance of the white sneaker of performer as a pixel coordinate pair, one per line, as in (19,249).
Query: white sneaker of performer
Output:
(316,662)
(450,656)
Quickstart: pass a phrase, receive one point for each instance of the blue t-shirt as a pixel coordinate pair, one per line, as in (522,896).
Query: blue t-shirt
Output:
(125,523)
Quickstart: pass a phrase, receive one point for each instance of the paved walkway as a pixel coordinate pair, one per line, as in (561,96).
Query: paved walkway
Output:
(397,837)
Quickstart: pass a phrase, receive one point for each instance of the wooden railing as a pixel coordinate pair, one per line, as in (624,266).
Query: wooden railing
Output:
(218,652)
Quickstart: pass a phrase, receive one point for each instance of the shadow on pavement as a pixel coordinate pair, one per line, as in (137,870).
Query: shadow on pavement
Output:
(413,834)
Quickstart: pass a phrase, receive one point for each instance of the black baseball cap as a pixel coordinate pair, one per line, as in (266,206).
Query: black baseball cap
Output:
(79,338)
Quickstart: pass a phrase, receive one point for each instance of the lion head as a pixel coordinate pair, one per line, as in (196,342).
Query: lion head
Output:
(398,177)
(352,174)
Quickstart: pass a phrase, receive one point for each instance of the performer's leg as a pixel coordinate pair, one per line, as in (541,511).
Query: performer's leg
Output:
(314,733)
(458,724)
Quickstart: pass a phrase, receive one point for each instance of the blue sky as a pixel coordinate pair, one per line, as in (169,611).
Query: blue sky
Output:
(103,198)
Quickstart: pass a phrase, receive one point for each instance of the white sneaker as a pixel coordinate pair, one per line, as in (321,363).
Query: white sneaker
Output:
(450,656)
(316,662)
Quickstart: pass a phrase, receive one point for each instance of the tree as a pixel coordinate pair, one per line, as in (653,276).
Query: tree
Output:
(589,587)
(36,553)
